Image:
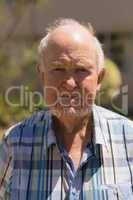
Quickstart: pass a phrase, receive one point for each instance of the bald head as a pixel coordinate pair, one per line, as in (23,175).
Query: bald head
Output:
(68,35)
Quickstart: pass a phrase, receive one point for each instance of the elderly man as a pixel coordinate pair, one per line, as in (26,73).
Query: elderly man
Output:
(73,149)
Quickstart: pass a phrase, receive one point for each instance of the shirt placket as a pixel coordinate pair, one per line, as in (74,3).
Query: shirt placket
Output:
(73,177)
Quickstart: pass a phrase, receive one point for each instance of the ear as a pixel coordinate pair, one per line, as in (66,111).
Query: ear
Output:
(101,76)
(40,71)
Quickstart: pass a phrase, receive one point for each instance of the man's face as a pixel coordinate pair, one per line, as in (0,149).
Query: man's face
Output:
(71,77)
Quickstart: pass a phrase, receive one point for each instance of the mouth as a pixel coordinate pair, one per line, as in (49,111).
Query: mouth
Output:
(70,100)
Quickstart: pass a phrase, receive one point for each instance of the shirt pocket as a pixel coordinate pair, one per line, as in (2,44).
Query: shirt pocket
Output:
(121,191)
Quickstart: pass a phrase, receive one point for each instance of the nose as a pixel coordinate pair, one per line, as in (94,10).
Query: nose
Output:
(70,84)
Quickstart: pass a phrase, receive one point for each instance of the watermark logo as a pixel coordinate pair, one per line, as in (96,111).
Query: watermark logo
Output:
(26,98)
(32,99)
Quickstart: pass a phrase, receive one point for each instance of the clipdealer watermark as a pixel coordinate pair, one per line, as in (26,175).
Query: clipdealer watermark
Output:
(32,99)
(26,97)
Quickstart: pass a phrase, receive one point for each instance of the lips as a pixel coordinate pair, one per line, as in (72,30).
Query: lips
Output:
(68,101)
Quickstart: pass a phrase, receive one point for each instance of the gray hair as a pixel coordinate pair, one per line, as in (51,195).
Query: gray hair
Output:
(65,22)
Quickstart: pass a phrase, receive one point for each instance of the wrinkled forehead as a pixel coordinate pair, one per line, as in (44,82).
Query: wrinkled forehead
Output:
(70,42)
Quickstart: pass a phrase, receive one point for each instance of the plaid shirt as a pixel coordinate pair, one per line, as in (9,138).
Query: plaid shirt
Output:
(33,167)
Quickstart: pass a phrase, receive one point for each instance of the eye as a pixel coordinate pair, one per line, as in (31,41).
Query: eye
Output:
(58,69)
(81,70)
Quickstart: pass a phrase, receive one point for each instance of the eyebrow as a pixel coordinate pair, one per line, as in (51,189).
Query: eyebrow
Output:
(78,64)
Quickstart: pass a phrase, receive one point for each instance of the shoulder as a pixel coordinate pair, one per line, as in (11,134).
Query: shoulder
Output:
(111,115)
(115,120)
(24,129)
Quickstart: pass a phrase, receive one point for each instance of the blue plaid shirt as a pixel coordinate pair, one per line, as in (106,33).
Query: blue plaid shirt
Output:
(34,167)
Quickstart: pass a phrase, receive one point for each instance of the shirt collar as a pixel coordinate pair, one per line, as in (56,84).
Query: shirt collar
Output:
(49,136)
(99,136)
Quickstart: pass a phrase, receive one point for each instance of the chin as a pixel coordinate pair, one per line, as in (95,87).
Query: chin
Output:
(71,112)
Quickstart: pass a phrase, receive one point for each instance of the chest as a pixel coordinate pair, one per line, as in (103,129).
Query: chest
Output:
(43,176)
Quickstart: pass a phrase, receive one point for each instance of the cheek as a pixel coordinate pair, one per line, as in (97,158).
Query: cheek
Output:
(50,91)
(54,80)
(51,96)
(90,84)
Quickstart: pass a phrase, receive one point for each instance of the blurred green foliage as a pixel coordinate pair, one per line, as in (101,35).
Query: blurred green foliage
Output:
(17,67)
(111,83)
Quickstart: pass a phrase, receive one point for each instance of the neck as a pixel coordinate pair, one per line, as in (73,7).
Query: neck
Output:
(73,132)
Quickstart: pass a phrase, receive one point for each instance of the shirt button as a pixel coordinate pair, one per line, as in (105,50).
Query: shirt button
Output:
(75,194)
(73,191)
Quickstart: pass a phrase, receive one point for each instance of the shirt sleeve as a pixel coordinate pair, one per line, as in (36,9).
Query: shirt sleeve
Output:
(6,166)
